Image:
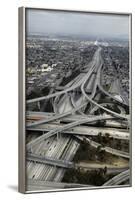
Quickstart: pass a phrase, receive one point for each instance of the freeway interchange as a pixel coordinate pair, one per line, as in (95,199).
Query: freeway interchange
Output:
(54,138)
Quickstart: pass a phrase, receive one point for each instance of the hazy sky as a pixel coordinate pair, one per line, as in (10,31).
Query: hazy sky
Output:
(41,21)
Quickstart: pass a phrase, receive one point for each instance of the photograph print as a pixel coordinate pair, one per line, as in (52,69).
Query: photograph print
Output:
(78,106)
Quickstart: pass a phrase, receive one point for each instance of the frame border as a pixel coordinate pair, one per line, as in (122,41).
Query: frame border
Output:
(22,98)
(22,109)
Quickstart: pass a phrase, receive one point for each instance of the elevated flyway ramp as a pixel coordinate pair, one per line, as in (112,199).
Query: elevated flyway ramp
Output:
(49,185)
(106,148)
(84,130)
(74,117)
(120,178)
(67,126)
(49,160)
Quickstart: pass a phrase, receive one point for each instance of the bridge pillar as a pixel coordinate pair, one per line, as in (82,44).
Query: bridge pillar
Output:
(73,112)
(58,136)
(31,150)
(38,104)
(77,91)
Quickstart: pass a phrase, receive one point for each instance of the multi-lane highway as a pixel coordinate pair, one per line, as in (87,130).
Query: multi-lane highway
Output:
(65,127)
(46,117)
(34,185)
(121,134)
(118,179)
(106,148)
(52,144)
